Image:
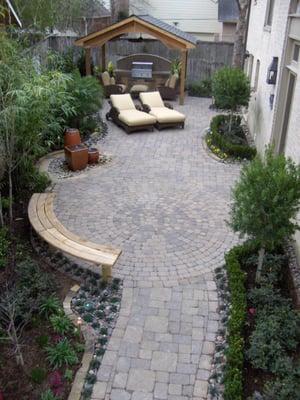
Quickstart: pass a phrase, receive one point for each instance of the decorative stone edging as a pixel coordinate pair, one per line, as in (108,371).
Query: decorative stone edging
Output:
(89,339)
(216,387)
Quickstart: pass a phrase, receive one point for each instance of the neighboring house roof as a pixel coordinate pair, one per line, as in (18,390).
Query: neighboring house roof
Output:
(228,11)
(169,28)
(14,13)
(140,23)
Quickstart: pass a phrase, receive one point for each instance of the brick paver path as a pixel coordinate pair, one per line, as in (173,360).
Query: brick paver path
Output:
(163,201)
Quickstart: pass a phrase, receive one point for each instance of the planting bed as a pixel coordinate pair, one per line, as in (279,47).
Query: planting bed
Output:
(263,342)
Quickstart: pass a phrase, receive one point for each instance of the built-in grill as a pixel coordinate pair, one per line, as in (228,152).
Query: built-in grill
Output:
(141,70)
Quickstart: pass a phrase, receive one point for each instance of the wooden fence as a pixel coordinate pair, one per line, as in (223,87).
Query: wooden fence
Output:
(203,61)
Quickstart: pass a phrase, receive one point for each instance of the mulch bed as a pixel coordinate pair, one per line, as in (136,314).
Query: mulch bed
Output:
(15,382)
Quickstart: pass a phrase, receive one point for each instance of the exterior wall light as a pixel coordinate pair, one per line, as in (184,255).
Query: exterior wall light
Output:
(272,71)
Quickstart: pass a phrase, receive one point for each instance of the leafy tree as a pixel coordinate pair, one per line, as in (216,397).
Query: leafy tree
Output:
(231,90)
(266,201)
(25,106)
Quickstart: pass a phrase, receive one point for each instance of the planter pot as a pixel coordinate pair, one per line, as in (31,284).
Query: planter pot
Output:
(93,156)
(76,156)
(72,137)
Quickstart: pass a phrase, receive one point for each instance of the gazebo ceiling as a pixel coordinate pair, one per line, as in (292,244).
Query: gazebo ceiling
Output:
(168,34)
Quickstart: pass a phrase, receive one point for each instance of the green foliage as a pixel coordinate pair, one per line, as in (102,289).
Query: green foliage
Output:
(33,285)
(266,298)
(87,100)
(235,359)
(233,142)
(230,88)
(277,331)
(68,375)
(4,246)
(48,395)
(42,15)
(61,354)
(176,67)
(266,200)
(42,340)
(111,68)
(5,203)
(61,324)
(38,375)
(50,305)
(200,88)
(285,388)
(79,347)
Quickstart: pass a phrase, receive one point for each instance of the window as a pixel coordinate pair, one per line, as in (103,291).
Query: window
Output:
(256,75)
(269,13)
(250,66)
(296,52)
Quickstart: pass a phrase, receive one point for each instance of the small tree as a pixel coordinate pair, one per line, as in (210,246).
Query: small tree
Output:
(231,90)
(266,201)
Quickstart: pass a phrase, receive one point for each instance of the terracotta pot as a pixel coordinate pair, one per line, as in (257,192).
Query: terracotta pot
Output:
(76,156)
(93,156)
(72,137)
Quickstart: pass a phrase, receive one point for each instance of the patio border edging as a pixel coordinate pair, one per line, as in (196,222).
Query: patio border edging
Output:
(89,339)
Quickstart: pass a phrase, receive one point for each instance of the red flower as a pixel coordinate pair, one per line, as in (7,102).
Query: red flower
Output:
(55,379)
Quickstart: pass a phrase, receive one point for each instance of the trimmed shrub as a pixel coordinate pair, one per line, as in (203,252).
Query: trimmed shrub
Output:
(200,88)
(233,379)
(225,142)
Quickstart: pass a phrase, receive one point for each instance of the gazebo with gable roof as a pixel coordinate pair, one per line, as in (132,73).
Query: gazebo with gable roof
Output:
(170,35)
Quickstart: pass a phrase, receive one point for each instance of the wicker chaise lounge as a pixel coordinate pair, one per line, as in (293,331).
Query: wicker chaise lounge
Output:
(125,114)
(110,86)
(165,116)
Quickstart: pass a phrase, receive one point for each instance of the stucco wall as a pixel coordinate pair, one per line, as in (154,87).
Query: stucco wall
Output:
(264,44)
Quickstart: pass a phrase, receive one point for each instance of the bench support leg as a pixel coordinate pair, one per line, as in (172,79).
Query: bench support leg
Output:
(106,273)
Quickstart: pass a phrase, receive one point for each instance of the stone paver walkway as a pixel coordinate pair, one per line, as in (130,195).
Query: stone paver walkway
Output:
(163,200)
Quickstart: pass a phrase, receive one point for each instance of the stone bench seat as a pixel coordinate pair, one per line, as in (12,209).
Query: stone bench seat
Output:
(45,223)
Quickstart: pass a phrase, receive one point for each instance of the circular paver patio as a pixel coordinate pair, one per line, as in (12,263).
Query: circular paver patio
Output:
(163,200)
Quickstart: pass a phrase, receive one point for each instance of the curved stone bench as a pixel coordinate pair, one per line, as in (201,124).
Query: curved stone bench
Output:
(45,223)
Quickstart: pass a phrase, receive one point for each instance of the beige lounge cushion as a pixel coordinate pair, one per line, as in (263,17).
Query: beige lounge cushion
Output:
(167,82)
(105,78)
(139,88)
(165,115)
(112,80)
(152,99)
(136,118)
(172,81)
(122,101)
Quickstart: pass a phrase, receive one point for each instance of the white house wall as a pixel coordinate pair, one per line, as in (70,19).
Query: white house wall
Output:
(264,44)
(199,17)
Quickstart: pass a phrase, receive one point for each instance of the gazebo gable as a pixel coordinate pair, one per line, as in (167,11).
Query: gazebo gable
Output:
(171,36)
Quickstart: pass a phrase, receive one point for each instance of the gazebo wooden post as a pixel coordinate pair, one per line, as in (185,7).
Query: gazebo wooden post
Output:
(103,57)
(88,69)
(182,76)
